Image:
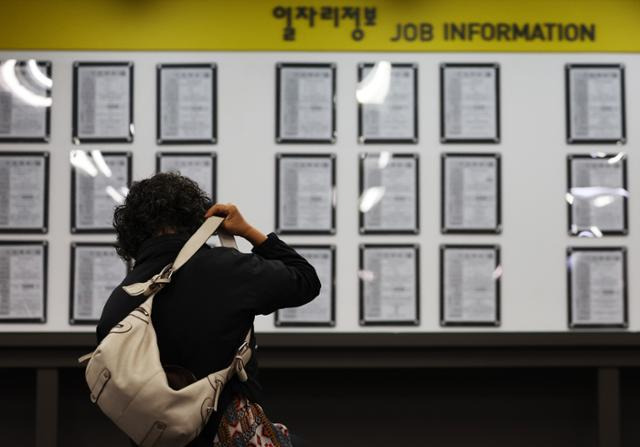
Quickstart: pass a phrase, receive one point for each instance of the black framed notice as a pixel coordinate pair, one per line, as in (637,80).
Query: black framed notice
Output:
(469,103)
(595,103)
(305,193)
(470,285)
(25,101)
(387,97)
(99,182)
(96,270)
(305,103)
(322,310)
(389,284)
(23,281)
(389,193)
(24,192)
(186,104)
(471,193)
(102,102)
(201,167)
(597,194)
(597,287)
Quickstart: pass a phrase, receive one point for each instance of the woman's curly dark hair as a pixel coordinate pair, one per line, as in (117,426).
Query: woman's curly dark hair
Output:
(166,202)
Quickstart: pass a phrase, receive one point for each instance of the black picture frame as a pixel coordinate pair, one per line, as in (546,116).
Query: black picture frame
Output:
(284,65)
(443,137)
(568,111)
(361,311)
(332,322)
(47,125)
(72,271)
(497,320)
(214,105)
(75,139)
(361,221)
(214,166)
(443,182)
(414,139)
(570,323)
(278,229)
(74,204)
(45,228)
(625,199)
(45,266)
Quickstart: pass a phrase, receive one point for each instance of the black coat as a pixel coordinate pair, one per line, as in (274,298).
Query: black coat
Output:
(203,315)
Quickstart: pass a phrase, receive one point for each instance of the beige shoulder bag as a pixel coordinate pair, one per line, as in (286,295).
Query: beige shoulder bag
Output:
(128,382)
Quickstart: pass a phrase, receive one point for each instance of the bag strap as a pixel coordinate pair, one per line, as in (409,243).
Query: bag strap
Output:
(194,243)
(199,238)
(219,379)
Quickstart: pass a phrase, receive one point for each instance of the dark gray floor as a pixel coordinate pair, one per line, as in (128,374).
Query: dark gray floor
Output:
(630,402)
(435,408)
(438,408)
(17,407)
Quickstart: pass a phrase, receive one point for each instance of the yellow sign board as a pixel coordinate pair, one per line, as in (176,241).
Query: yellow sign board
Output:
(322,25)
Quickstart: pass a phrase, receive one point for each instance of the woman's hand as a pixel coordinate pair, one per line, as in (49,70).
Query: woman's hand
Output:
(235,224)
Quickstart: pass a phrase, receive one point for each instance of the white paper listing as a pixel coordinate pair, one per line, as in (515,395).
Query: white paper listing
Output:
(597,287)
(397,208)
(187,103)
(320,310)
(26,116)
(97,272)
(22,282)
(597,194)
(395,117)
(470,103)
(469,289)
(103,101)
(22,192)
(471,193)
(197,168)
(97,196)
(306,194)
(596,103)
(306,103)
(389,285)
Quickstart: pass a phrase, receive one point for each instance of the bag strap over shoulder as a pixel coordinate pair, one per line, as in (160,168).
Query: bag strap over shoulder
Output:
(219,379)
(199,238)
(194,243)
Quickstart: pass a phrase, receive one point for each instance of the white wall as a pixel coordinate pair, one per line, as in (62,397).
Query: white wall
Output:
(533,151)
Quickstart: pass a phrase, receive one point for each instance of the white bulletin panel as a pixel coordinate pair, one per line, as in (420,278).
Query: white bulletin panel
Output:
(533,151)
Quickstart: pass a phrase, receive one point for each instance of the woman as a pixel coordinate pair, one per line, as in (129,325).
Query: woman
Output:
(204,314)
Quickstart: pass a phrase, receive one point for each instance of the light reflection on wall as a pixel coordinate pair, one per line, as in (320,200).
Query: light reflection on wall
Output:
(373,195)
(95,165)
(9,81)
(374,88)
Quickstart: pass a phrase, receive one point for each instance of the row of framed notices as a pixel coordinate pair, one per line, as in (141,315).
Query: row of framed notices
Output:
(597,194)
(389,193)
(389,285)
(99,182)
(103,103)
(387,97)
(95,270)
(306,191)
